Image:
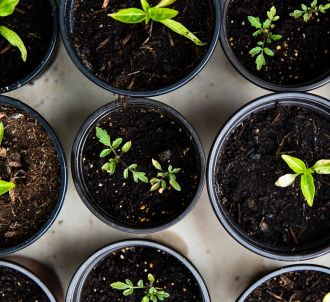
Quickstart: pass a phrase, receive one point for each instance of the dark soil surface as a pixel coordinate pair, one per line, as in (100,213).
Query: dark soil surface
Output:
(140,57)
(32,21)
(303,286)
(136,263)
(154,134)
(251,163)
(29,159)
(301,56)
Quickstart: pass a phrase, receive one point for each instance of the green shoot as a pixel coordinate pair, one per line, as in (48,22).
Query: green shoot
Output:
(159,182)
(2,132)
(7,8)
(152,293)
(306,174)
(159,13)
(117,149)
(307,12)
(264,30)
(326,298)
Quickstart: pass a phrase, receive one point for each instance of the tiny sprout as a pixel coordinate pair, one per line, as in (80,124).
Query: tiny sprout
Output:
(326,297)
(159,13)
(152,294)
(264,30)
(307,181)
(2,132)
(7,8)
(307,12)
(159,182)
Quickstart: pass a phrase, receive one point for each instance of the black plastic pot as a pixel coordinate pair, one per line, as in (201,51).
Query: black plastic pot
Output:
(251,77)
(66,24)
(77,282)
(309,101)
(29,275)
(63,167)
(48,58)
(77,172)
(276,273)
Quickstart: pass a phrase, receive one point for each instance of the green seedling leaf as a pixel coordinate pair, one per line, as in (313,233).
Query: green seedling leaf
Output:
(157,165)
(164,3)
(272,13)
(116,144)
(6,186)
(308,188)
(103,136)
(151,278)
(125,173)
(260,61)
(145,299)
(2,132)
(129,15)
(286,180)
(160,14)
(7,7)
(322,166)
(308,12)
(268,52)
(174,184)
(14,40)
(145,5)
(276,37)
(127,146)
(105,152)
(254,51)
(120,285)
(295,164)
(254,21)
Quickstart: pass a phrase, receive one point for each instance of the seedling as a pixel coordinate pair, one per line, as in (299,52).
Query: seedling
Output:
(116,149)
(159,182)
(159,13)
(2,132)
(307,12)
(7,7)
(307,181)
(326,298)
(151,292)
(264,30)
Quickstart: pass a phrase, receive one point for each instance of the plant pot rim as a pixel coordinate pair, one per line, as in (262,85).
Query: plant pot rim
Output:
(280,271)
(80,276)
(63,168)
(313,84)
(64,28)
(79,143)
(28,274)
(304,99)
(41,67)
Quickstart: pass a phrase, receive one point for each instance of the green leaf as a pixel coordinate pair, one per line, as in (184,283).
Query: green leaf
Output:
(276,37)
(125,173)
(313,4)
(176,170)
(116,144)
(271,13)
(2,132)
(286,180)
(181,30)
(304,7)
(266,24)
(129,282)
(254,21)
(322,166)
(7,7)
(161,295)
(105,152)
(295,164)
(112,166)
(151,278)
(155,186)
(103,136)
(175,185)
(140,283)
(163,184)
(145,299)
(157,165)
(160,14)
(308,188)
(306,17)
(164,3)
(127,146)
(140,176)
(268,52)
(14,40)
(128,292)
(260,61)
(6,186)
(119,285)
(296,14)
(254,51)
(145,5)
(133,167)
(129,15)
(258,32)
(276,18)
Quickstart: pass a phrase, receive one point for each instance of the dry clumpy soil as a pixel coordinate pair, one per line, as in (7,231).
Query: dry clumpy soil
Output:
(154,134)
(136,263)
(301,56)
(14,287)
(32,21)
(251,163)
(140,57)
(303,286)
(29,159)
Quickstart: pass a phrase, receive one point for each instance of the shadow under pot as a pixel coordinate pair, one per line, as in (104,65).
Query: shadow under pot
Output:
(33,175)
(139,167)
(32,25)
(279,48)
(156,271)
(19,284)
(284,218)
(147,58)
(290,283)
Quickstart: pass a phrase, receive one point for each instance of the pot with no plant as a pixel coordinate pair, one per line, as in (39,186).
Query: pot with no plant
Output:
(291,283)
(140,47)
(268,176)
(137,270)
(280,46)
(138,165)
(28,35)
(19,284)
(33,175)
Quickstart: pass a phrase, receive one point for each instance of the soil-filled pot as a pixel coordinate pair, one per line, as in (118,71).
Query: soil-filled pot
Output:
(297,55)
(308,283)
(33,169)
(136,260)
(138,59)
(36,23)
(19,284)
(247,159)
(118,185)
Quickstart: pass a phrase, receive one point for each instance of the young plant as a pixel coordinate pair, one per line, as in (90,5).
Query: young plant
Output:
(264,30)
(7,7)
(116,149)
(152,293)
(159,182)
(326,297)
(159,13)
(307,180)
(307,12)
